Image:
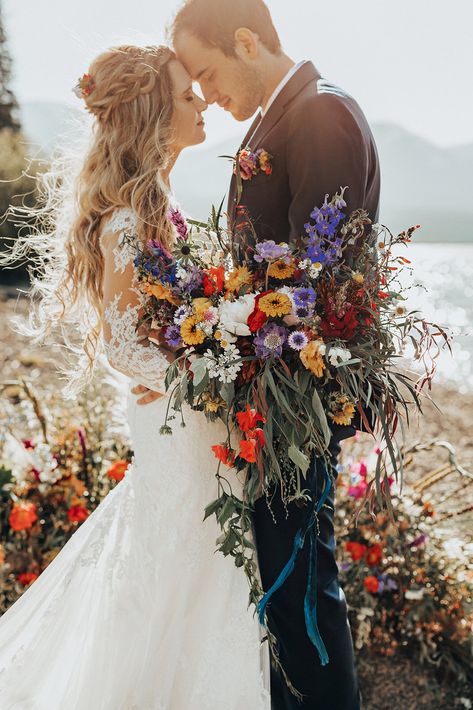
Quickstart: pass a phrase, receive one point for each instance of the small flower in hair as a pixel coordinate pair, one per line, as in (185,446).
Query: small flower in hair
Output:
(84,86)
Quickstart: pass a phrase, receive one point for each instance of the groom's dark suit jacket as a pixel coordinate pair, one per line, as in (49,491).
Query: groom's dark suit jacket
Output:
(320,141)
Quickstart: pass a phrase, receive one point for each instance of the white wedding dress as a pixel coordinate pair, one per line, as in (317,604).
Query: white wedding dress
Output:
(137,611)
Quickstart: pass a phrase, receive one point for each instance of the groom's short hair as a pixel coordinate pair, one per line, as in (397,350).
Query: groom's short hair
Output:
(215,22)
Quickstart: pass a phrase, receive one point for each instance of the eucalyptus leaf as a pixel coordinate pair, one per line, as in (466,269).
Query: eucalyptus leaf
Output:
(299,458)
(199,370)
(321,416)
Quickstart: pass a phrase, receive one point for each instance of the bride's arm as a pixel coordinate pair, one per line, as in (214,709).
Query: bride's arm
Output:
(121,306)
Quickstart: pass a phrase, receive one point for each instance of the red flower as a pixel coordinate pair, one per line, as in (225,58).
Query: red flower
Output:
(224,454)
(374,555)
(77,513)
(371,584)
(257,319)
(116,471)
(383,295)
(356,550)
(214,280)
(248,450)
(344,328)
(22,516)
(26,578)
(29,443)
(257,434)
(249,419)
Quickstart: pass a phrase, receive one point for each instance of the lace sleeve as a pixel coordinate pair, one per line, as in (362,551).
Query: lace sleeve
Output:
(121,305)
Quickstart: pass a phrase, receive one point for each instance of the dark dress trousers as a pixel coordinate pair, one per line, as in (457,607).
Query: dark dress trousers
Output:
(319,141)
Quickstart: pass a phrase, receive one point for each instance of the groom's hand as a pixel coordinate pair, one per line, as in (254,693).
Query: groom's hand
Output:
(149,395)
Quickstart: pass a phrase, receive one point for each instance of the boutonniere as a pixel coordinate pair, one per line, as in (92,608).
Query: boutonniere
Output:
(251,163)
(248,163)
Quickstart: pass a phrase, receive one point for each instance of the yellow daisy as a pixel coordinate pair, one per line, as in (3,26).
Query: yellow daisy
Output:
(237,278)
(280,270)
(190,334)
(312,357)
(345,413)
(275,304)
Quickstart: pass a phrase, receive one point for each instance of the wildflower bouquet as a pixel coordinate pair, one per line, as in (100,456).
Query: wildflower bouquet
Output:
(285,343)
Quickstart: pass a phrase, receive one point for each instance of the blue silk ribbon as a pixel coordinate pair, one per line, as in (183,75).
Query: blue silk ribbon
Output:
(310,600)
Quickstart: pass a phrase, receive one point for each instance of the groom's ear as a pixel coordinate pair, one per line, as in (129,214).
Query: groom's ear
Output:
(246,44)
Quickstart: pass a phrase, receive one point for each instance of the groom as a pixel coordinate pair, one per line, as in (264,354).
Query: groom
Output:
(319,141)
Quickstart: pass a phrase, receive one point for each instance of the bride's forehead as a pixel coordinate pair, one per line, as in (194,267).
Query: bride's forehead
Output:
(179,75)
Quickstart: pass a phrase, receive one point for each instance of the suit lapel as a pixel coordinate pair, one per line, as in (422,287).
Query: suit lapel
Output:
(306,74)
(251,130)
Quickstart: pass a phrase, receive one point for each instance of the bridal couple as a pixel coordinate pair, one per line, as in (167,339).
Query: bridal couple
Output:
(137,612)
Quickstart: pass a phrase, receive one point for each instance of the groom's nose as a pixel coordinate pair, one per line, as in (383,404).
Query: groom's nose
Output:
(210,94)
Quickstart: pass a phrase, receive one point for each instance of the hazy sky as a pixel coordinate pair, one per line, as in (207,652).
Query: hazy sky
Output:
(406,61)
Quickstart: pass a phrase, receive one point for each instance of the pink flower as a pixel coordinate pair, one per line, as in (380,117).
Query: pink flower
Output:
(357,491)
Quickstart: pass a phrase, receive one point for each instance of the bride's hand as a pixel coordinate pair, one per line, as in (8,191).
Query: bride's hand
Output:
(149,395)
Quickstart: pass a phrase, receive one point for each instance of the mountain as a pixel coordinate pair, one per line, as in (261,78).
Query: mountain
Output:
(45,122)
(421,182)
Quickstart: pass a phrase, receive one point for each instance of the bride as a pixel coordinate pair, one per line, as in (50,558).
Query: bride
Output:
(136,612)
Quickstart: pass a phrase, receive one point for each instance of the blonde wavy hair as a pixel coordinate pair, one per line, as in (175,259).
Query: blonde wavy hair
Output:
(130,147)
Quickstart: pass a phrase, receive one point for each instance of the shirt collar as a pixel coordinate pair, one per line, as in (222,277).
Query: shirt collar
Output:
(281,85)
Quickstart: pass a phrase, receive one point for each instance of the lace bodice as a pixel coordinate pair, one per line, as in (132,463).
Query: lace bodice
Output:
(121,305)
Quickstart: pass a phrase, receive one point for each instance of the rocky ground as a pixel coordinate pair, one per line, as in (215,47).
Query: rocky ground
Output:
(385,682)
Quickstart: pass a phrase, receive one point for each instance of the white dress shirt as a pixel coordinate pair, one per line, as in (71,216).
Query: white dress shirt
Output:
(281,86)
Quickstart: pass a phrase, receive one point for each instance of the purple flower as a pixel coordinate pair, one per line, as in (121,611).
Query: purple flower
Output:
(311,229)
(418,541)
(304,296)
(269,250)
(172,336)
(192,280)
(386,584)
(303,311)
(177,219)
(158,250)
(297,340)
(269,340)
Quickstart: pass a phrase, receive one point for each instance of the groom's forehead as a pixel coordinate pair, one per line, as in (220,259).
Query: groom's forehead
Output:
(195,55)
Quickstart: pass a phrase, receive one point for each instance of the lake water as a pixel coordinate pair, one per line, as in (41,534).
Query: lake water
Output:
(446,272)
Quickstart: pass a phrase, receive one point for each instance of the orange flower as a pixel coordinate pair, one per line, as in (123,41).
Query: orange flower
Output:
(312,359)
(116,471)
(2,555)
(160,292)
(26,578)
(248,450)
(249,419)
(356,550)
(237,278)
(22,516)
(371,584)
(224,454)
(77,513)
(374,555)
